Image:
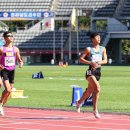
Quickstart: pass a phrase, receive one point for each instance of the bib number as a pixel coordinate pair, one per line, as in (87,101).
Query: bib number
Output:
(9,61)
(96,57)
(89,72)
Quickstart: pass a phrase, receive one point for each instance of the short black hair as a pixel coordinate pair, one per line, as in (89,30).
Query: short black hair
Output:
(93,34)
(6,33)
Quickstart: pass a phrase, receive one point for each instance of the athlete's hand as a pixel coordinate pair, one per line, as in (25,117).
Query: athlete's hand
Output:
(20,64)
(95,65)
(1,67)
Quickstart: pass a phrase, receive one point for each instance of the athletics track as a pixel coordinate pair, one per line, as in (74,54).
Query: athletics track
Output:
(43,119)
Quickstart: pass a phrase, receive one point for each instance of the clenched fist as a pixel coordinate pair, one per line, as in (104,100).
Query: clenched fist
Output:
(95,65)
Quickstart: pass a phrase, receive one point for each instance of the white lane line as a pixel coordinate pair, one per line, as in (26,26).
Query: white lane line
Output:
(82,127)
(55,117)
(103,116)
(64,119)
(54,125)
(15,128)
(63,78)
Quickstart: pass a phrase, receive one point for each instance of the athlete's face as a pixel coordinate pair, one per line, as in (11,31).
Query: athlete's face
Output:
(96,40)
(9,38)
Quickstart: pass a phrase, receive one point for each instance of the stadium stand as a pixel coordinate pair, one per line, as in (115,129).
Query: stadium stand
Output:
(83,40)
(40,39)
(45,40)
(101,7)
(126,8)
(25,5)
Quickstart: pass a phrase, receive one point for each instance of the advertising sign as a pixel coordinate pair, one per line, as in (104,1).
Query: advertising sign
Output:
(25,15)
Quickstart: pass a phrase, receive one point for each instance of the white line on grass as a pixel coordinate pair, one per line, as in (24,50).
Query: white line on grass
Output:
(63,78)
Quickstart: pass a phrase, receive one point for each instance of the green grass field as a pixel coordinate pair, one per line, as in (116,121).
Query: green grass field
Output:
(54,90)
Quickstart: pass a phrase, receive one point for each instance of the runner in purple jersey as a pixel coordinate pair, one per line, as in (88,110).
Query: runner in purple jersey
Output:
(9,56)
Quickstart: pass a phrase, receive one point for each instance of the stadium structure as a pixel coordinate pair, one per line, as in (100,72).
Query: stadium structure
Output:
(42,41)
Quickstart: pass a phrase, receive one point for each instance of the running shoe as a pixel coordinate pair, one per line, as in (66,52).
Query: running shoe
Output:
(1,110)
(96,114)
(77,106)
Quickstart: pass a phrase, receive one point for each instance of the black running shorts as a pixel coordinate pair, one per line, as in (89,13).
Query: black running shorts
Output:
(8,75)
(96,73)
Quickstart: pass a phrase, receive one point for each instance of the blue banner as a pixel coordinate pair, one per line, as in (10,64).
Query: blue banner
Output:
(25,15)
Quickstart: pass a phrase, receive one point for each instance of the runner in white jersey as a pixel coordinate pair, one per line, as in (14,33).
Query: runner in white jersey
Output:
(96,56)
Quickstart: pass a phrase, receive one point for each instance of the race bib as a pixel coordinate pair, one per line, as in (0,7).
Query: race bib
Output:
(9,61)
(89,72)
(96,58)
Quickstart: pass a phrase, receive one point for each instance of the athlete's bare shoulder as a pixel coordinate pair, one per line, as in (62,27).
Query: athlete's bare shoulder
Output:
(87,50)
(16,49)
(104,48)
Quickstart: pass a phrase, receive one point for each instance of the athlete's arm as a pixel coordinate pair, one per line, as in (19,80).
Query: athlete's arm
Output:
(104,61)
(84,55)
(1,51)
(18,57)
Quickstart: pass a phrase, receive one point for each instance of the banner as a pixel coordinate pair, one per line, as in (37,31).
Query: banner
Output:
(25,15)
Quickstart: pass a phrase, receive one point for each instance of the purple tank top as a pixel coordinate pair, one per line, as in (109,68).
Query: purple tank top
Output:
(8,58)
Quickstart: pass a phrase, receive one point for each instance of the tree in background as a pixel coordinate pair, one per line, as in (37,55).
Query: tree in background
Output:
(126,50)
(84,23)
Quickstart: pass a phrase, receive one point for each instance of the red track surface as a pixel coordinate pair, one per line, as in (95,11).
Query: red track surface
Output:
(33,119)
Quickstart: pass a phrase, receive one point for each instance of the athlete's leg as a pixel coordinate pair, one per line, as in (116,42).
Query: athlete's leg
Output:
(6,92)
(96,89)
(7,96)
(8,80)
(1,83)
(96,96)
(86,93)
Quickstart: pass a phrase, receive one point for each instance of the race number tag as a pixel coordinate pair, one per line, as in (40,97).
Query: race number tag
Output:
(9,61)
(89,72)
(96,57)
